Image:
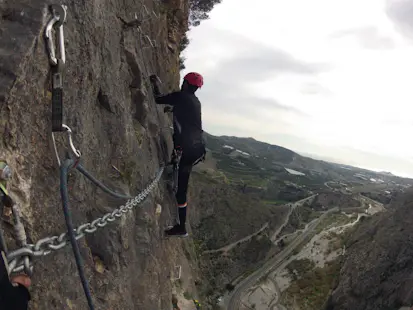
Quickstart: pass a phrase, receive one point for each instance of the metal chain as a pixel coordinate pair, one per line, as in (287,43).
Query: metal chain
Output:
(48,245)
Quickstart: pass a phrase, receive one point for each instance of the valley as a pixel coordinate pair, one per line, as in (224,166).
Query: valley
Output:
(270,226)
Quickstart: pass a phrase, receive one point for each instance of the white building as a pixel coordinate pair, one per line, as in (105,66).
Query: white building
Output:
(228,147)
(237,153)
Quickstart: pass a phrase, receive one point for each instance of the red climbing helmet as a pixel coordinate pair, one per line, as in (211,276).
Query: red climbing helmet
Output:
(194,79)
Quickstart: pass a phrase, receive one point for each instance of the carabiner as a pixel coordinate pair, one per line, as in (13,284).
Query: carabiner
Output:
(75,151)
(59,17)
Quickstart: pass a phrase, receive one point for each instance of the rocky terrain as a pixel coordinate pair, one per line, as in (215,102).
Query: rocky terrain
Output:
(378,265)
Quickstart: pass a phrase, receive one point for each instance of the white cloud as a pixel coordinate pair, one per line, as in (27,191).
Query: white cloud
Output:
(316,76)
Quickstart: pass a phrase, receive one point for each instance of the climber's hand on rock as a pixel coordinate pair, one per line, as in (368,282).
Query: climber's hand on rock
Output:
(21,279)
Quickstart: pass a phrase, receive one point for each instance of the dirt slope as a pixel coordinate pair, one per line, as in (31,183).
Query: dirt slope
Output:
(378,268)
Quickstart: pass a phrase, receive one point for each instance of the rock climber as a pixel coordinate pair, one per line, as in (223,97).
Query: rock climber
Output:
(14,293)
(188,137)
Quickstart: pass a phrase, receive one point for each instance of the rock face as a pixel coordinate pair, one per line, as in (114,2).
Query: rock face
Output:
(378,267)
(115,121)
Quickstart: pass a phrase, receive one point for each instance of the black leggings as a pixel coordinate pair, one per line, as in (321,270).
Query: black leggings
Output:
(190,157)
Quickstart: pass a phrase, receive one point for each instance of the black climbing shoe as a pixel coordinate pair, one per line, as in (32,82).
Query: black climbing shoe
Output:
(176,231)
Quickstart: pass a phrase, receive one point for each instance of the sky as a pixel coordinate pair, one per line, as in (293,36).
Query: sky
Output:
(331,79)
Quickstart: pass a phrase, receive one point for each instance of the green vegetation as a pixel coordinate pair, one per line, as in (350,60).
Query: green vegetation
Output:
(334,244)
(183,45)
(299,218)
(274,202)
(299,267)
(199,9)
(328,200)
(379,196)
(224,225)
(220,270)
(312,288)
(338,241)
(267,153)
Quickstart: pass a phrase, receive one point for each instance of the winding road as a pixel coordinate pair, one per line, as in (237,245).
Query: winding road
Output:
(236,295)
(293,205)
(287,218)
(228,247)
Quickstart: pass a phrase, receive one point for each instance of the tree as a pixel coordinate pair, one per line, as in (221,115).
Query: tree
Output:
(199,9)
(181,63)
(183,45)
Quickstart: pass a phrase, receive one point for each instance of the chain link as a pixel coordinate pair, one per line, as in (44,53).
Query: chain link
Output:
(48,245)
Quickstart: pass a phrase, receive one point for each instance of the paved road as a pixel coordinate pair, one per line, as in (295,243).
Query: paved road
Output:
(236,295)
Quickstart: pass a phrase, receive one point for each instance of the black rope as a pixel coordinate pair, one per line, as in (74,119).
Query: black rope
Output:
(3,244)
(64,169)
(99,184)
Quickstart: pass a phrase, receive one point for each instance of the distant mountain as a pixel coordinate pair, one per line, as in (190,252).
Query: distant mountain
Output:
(252,146)
(320,157)
(385,173)
(269,156)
